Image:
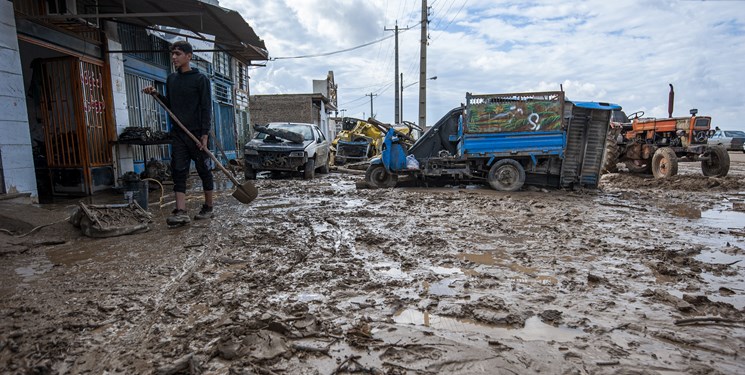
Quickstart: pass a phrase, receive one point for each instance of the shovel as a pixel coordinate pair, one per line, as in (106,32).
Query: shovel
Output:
(246,192)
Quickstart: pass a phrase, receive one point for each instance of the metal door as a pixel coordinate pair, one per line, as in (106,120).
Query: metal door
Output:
(77,124)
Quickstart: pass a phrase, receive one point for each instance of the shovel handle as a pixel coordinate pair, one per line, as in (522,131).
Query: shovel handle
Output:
(195,139)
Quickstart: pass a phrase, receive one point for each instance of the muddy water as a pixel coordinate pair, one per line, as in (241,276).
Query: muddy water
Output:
(318,277)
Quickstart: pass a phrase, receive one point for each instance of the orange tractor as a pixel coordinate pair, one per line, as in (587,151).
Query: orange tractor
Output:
(654,145)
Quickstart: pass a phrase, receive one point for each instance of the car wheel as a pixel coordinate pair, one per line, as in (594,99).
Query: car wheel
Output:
(310,169)
(324,169)
(249,173)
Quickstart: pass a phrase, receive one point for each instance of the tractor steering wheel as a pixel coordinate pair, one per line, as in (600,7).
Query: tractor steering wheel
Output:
(635,115)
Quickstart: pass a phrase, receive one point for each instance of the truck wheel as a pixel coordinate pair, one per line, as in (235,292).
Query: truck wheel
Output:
(309,171)
(377,177)
(506,175)
(718,163)
(643,166)
(249,173)
(664,163)
(612,151)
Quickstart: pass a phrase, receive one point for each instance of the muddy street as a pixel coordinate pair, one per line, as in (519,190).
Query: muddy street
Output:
(642,276)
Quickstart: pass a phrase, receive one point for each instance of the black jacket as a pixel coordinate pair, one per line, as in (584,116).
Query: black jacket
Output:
(189,98)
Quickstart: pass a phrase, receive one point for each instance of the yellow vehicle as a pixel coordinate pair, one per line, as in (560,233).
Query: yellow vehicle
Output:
(363,141)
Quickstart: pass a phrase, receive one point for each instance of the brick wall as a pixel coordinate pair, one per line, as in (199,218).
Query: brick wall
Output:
(281,108)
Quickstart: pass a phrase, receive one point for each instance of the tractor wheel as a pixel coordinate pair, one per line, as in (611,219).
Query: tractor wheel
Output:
(506,175)
(639,166)
(309,171)
(718,163)
(612,151)
(664,163)
(376,176)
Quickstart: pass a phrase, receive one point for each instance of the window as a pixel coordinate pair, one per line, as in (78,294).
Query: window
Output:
(222,64)
(734,133)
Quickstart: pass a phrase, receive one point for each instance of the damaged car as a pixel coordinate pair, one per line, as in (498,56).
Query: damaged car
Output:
(287,147)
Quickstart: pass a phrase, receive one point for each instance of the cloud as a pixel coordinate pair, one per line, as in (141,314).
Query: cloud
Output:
(623,52)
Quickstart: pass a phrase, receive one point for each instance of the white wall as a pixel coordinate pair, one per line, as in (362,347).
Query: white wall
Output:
(15,139)
(123,154)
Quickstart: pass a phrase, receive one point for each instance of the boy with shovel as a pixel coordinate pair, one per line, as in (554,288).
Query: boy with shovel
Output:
(190,101)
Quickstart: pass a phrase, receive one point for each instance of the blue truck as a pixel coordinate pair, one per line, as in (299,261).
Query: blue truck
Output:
(506,140)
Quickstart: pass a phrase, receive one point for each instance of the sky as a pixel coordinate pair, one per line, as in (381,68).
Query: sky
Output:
(625,52)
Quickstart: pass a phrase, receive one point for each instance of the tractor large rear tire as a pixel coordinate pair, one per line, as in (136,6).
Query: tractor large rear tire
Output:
(378,177)
(718,163)
(664,163)
(612,151)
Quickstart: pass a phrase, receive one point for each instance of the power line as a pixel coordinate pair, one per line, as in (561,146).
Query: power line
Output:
(332,53)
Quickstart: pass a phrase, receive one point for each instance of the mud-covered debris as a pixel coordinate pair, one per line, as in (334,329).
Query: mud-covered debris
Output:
(551,316)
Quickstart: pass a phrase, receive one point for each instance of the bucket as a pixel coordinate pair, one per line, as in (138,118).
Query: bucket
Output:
(136,191)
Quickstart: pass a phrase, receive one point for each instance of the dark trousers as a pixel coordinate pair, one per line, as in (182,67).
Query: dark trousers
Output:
(183,151)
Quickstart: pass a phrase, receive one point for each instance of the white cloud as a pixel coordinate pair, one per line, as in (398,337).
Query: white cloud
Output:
(623,52)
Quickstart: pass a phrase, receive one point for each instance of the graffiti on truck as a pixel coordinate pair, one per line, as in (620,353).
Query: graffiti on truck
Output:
(513,116)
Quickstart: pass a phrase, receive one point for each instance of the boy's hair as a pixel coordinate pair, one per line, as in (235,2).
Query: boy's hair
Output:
(182,45)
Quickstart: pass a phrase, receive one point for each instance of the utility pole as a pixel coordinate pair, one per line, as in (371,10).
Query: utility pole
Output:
(423,68)
(402,98)
(397,111)
(371,95)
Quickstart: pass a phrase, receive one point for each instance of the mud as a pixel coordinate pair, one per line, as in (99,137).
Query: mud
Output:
(318,277)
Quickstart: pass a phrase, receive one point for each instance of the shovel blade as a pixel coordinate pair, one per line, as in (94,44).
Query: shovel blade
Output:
(246,192)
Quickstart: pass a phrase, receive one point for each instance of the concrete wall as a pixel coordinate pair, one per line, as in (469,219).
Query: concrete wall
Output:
(123,154)
(15,138)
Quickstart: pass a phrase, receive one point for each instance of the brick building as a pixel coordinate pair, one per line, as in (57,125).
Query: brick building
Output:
(316,108)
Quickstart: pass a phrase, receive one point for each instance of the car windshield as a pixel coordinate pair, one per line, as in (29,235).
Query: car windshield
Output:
(734,133)
(305,130)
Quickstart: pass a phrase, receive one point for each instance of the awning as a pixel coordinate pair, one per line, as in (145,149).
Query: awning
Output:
(232,33)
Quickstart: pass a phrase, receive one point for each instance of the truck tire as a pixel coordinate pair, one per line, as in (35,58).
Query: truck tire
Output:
(309,171)
(718,163)
(249,173)
(664,163)
(376,176)
(506,175)
(612,151)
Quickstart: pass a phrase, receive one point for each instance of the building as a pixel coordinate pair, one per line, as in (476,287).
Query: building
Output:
(314,108)
(72,71)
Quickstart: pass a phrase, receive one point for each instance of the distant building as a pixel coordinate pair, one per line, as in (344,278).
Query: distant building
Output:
(314,108)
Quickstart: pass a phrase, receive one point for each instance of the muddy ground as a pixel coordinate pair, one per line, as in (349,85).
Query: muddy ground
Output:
(317,277)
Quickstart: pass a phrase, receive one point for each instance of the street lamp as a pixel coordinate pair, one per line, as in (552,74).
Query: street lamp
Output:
(402,93)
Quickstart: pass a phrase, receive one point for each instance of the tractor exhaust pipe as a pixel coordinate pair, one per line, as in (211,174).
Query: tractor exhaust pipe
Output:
(670,101)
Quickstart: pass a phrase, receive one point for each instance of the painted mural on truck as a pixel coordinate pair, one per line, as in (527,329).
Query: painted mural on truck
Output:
(513,116)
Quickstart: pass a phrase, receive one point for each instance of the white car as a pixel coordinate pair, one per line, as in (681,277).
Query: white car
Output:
(732,140)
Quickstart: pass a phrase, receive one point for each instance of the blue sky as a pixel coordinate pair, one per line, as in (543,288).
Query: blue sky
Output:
(626,52)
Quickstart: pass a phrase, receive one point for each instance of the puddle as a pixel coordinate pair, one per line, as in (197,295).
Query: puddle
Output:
(723,218)
(389,270)
(483,258)
(716,283)
(718,257)
(445,287)
(534,329)
(31,271)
